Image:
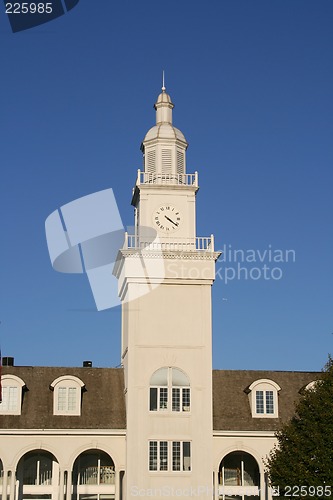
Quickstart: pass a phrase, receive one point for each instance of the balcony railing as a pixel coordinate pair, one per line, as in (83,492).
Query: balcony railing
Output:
(31,477)
(97,475)
(202,244)
(167,178)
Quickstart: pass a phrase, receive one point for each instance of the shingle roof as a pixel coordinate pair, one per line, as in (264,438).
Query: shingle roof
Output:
(103,402)
(231,407)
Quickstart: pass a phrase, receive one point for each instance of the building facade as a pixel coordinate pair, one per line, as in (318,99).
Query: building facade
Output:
(165,424)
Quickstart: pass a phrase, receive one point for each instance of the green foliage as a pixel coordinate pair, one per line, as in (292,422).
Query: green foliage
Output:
(304,454)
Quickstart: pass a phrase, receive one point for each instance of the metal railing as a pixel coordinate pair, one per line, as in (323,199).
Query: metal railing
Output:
(167,178)
(201,243)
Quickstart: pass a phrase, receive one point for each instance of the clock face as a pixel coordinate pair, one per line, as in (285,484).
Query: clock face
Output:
(167,218)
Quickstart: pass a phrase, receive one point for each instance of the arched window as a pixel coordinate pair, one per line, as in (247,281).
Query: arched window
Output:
(239,476)
(67,395)
(169,390)
(93,476)
(263,396)
(11,395)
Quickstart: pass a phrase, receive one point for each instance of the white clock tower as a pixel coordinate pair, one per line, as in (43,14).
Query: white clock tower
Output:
(165,275)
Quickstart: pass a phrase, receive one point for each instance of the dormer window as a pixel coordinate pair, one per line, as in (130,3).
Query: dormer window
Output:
(11,395)
(67,395)
(263,397)
(312,386)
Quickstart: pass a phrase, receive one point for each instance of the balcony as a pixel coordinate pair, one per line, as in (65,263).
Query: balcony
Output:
(167,179)
(97,475)
(199,244)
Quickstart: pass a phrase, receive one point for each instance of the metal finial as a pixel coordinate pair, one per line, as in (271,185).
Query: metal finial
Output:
(163,82)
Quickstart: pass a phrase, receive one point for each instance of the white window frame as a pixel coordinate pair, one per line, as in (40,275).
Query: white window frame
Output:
(8,383)
(66,384)
(267,387)
(169,390)
(161,450)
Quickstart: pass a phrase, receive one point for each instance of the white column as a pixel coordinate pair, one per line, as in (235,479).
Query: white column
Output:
(4,484)
(69,485)
(12,486)
(116,484)
(61,484)
(216,485)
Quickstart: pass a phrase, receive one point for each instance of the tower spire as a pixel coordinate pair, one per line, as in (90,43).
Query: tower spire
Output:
(163,82)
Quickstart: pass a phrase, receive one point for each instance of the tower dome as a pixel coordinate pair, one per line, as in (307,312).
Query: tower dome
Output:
(164,146)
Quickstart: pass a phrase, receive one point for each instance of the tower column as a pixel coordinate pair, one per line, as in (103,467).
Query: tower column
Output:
(165,273)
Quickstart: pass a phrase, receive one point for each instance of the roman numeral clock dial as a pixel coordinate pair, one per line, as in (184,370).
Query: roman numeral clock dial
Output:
(167,218)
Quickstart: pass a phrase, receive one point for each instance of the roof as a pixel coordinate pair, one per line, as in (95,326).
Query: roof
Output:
(231,407)
(103,401)
(166,131)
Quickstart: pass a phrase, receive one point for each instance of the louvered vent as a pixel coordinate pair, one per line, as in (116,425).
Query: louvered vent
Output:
(150,161)
(166,161)
(180,162)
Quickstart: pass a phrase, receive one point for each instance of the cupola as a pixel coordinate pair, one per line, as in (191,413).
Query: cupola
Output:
(164,146)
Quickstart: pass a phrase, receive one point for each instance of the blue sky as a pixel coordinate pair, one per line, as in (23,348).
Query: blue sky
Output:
(252,86)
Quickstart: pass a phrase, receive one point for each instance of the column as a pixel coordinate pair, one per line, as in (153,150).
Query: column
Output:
(4,484)
(61,484)
(12,485)
(69,485)
(116,484)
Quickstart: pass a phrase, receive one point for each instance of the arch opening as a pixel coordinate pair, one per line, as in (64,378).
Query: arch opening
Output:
(239,477)
(93,476)
(37,476)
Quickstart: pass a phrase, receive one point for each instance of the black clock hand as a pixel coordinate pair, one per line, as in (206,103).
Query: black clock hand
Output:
(175,223)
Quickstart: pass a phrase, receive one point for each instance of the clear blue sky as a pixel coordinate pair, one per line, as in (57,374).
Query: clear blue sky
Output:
(252,83)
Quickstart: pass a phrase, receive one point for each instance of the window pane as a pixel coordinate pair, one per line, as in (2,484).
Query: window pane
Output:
(153,455)
(186,400)
(62,393)
(13,398)
(153,399)
(175,399)
(4,402)
(179,378)
(160,377)
(9,398)
(176,455)
(269,402)
(259,402)
(71,398)
(186,455)
(163,455)
(163,398)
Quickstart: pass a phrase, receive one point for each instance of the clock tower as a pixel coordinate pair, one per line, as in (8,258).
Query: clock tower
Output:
(165,273)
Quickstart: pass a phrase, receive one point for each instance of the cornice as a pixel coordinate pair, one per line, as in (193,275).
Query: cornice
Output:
(63,432)
(170,255)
